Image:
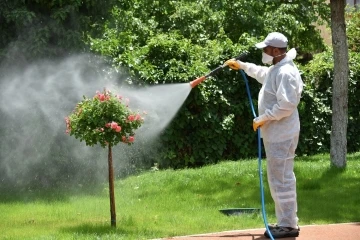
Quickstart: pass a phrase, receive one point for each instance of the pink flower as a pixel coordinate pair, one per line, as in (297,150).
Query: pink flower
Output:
(102,97)
(114,125)
(101,129)
(68,125)
(117,129)
(108,125)
(123,138)
(131,118)
(131,139)
(137,117)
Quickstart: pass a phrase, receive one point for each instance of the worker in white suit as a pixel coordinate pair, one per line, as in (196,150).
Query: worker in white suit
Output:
(280,125)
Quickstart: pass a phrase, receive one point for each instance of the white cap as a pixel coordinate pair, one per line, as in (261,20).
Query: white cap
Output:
(274,39)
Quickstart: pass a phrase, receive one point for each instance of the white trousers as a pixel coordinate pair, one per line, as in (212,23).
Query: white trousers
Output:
(282,181)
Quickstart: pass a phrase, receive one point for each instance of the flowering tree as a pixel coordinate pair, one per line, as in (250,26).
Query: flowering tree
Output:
(107,120)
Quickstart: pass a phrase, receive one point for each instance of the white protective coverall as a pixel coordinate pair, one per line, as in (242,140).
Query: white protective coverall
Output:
(278,99)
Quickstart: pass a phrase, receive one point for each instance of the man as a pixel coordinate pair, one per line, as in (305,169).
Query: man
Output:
(280,125)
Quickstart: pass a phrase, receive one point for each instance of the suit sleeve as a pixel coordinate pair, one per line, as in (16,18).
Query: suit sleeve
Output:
(255,71)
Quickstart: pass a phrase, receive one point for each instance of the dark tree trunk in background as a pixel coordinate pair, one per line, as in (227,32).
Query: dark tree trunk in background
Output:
(111,189)
(338,149)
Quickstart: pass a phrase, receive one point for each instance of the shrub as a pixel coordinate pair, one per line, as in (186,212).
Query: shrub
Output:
(104,119)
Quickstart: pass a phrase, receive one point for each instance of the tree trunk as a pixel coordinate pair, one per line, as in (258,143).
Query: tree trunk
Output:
(111,189)
(338,149)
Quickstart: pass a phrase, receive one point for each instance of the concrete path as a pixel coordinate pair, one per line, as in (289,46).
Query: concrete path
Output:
(345,231)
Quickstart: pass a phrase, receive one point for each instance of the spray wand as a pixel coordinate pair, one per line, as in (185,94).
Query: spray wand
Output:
(201,79)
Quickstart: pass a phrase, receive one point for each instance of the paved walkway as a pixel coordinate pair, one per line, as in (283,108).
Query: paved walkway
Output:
(345,231)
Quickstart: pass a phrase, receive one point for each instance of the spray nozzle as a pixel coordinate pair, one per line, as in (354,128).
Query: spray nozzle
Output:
(197,81)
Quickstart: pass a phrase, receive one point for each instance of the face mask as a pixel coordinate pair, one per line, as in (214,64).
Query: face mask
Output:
(267,59)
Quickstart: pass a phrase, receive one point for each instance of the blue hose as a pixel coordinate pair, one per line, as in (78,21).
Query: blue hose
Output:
(259,158)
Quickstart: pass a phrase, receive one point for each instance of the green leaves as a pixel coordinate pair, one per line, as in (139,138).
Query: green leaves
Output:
(177,41)
(104,119)
(45,29)
(315,109)
(353,29)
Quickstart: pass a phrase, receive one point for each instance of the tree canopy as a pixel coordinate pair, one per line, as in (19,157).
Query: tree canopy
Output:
(177,41)
(155,42)
(33,29)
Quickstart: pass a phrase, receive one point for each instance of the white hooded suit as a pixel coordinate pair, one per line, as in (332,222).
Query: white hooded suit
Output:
(278,100)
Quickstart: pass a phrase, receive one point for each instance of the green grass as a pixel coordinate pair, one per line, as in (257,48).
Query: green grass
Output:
(170,203)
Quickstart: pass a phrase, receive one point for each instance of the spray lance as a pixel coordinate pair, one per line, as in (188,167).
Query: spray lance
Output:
(213,72)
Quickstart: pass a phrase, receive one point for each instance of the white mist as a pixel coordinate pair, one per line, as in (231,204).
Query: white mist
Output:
(35,100)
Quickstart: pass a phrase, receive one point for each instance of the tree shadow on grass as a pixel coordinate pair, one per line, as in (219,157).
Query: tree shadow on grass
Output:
(92,229)
(119,232)
(331,197)
(238,193)
(26,194)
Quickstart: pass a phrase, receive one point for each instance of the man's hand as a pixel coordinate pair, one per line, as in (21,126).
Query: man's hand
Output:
(259,121)
(233,64)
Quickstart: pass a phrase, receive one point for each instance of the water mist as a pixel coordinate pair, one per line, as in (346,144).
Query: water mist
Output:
(34,148)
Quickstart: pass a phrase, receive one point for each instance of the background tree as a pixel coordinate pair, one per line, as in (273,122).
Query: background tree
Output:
(340,84)
(167,41)
(48,29)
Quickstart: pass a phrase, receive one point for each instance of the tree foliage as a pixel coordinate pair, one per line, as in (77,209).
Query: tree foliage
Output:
(104,119)
(170,41)
(318,76)
(38,29)
(352,29)
(177,41)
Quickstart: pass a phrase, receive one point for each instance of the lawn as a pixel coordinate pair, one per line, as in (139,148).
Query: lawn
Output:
(166,203)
